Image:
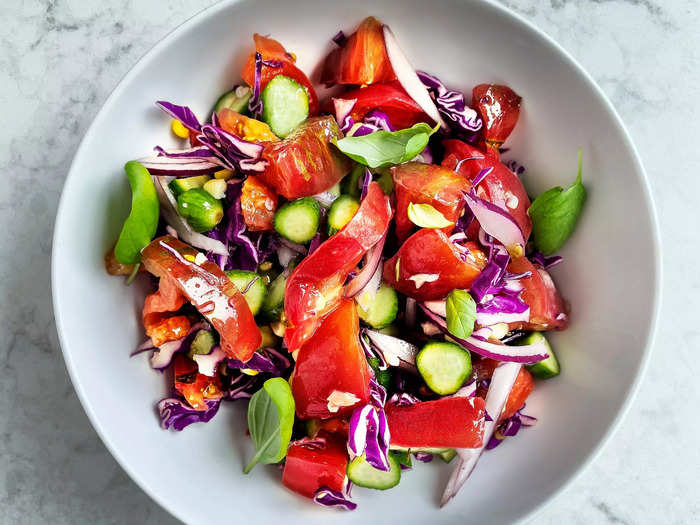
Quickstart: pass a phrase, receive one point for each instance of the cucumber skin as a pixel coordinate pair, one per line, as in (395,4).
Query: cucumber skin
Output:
(547,368)
(432,346)
(388,301)
(356,464)
(202,211)
(280,119)
(338,215)
(273,304)
(287,213)
(233,102)
(255,296)
(179,186)
(383,377)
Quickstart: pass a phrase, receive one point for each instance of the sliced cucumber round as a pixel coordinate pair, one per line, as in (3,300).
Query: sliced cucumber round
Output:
(365,475)
(237,100)
(285,105)
(298,220)
(254,293)
(546,368)
(178,186)
(443,366)
(342,210)
(202,343)
(382,309)
(201,210)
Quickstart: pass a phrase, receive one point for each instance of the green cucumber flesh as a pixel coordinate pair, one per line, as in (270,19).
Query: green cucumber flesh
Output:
(273,304)
(285,105)
(443,366)
(255,293)
(447,455)
(298,220)
(202,343)
(342,210)
(382,309)
(179,186)
(237,100)
(546,368)
(365,475)
(200,209)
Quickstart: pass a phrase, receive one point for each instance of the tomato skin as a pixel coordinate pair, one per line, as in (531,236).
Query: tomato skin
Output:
(331,360)
(259,204)
(193,386)
(309,467)
(501,186)
(419,183)
(430,252)
(361,60)
(499,107)
(450,422)
(244,127)
(316,284)
(391,98)
(271,49)
(522,388)
(548,311)
(305,163)
(208,289)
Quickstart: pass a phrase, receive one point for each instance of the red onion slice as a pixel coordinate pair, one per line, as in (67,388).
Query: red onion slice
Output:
(498,223)
(408,78)
(396,352)
(206,363)
(372,260)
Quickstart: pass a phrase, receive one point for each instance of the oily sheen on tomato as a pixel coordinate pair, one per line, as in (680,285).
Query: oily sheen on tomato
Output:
(548,311)
(280,63)
(402,110)
(316,284)
(312,464)
(362,59)
(428,266)
(306,162)
(501,186)
(499,107)
(331,375)
(419,183)
(258,203)
(209,290)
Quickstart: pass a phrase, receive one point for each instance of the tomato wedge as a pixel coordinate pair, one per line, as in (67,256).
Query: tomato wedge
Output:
(312,464)
(548,311)
(259,203)
(331,375)
(272,50)
(402,110)
(208,289)
(306,162)
(501,186)
(428,266)
(499,107)
(450,422)
(193,386)
(419,183)
(244,127)
(522,388)
(362,59)
(315,286)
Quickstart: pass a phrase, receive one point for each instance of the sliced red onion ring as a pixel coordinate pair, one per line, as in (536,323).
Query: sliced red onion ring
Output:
(180,166)
(163,355)
(396,352)
(501,384)
(526,354)
(437,307)
(372,260)
(408,78)
(497,223)
(343,107)
(206,363)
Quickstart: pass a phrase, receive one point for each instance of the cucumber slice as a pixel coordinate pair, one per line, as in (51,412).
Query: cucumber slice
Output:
(382,310)
(237,100)
(404,458)
(179,186)
(255,294)
(202,343)
(383,376)
(365,475)
(298,220)
(443,366)
(350,185)
(200,209)
(447,455)
(342,210)
(273,304)
(546,368)
(285,105)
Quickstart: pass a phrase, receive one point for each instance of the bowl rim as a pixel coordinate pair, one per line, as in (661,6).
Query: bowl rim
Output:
(502,10)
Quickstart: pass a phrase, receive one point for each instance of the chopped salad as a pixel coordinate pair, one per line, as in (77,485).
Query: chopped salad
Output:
(367,271)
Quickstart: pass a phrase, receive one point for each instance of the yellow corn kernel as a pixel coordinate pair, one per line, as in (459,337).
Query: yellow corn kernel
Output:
(179,129)
(189,257)
(294,57)
(278,328)
(265,266)
(249,372)
(223,174)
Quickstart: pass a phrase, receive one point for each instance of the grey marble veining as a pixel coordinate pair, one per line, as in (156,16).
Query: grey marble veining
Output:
(58,62)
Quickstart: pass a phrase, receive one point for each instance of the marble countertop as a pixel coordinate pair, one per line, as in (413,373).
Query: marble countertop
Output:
(59,59)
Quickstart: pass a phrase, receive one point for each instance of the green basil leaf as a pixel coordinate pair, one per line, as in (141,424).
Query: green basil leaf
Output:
(141,224)
(270,421)
(554,214)
(461,313)
(426,216)
(386,148)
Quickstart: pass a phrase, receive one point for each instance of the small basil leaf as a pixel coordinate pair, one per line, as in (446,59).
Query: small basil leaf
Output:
(386,148)
(554,214)
(426,216)
(461,313)
(270,421)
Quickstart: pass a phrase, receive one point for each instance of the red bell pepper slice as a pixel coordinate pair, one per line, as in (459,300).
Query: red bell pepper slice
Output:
(499,107)
(450,422)
(316,284)
(209,290)
(501,186)
(362,59)
(419,183)
(522,388)
(312,464)
(428,266)
(306,162)
(272,50)
(331,375)
(193,386)
(402,110)
(548,311)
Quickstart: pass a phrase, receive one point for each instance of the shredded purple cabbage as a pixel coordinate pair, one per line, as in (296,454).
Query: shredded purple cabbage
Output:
(239,155)
(510,427)
(339,38)
(369,430)
(176,414)
(379,119)
(266,360)
(451,105)
(425,457)
(365,183)
(332,498)
(255,104)
(182,113)
(545,262)
(403,399)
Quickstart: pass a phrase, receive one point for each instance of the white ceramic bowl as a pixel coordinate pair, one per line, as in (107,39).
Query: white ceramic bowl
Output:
(610,275)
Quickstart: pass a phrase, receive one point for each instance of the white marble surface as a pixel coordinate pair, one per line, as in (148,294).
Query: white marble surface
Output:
(58,62)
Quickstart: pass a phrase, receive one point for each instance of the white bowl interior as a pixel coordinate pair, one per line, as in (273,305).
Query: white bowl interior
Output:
(610,273)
